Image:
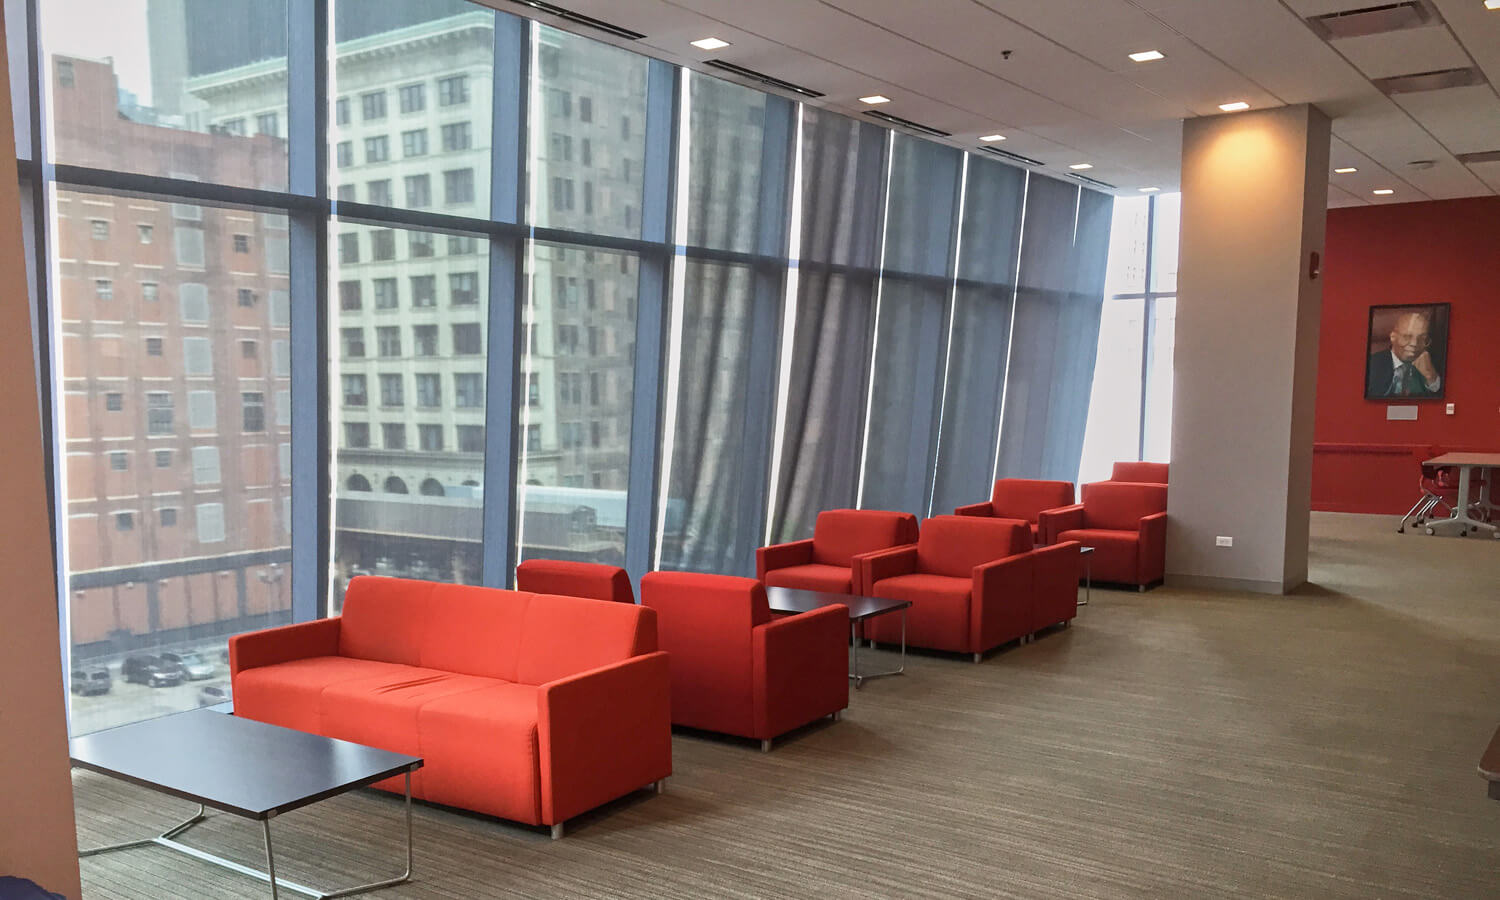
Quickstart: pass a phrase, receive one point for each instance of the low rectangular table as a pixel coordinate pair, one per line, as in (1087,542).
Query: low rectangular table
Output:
(793,600)
(248,768)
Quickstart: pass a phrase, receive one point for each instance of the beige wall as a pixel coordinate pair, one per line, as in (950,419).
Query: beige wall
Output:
(1254,189)
(37,839)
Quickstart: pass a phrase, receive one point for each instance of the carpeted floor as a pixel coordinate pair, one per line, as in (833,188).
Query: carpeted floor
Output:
(1170,744)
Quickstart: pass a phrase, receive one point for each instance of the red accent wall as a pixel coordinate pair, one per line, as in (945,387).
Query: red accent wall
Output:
(1445,251)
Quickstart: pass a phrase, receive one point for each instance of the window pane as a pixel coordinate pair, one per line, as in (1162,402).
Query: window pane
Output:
(605,179)
(203,497)
(726,133)
(394,135)
(1159,380)
(410,410)
(1113,431)
(1166,224)
(1128,236)
(183,90)
(576,399)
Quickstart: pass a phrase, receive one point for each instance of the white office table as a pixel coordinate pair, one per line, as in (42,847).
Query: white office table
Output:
(1466,463)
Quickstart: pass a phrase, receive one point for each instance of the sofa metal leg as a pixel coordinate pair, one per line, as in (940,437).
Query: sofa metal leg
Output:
(765,746)
(979,657)
(873,645)
(557,831)
(838,714)
(661,786)
(1140,589)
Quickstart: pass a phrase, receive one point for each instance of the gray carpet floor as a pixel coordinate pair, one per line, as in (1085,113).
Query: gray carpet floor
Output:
(1170,744)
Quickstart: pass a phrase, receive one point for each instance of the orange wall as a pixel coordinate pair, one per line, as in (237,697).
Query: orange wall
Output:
(38,841)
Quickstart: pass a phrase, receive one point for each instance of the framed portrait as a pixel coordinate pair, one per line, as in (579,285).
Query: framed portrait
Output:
(1407,352)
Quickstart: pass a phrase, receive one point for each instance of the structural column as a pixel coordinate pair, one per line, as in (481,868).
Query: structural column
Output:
(1254,197)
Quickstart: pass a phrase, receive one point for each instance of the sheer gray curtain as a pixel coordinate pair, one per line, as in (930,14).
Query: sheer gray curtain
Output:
(980,334)
(1058,302)
(906,369)
(842,198)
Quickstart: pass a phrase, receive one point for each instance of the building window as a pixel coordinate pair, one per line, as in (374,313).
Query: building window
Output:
(534,389)
(245,297)
(431,438)
(429,390)
(357,437)
(463,288)
(388,340)
(379,192)
(253,411)
(372,105)
(393,437)
(418,191)
(462,245)
(457,136)
(162,458)
(150,291)
(341,111)
(596,432)
(412,97)
(124,521)
(64,73)
(562,194)
(192,298)
(392,390)
(268,124)
(158,413)
(596,388)
(624,128)
(350,295)
(585,109)
(205,465)
(471,438)
(386,294)
(210,523)
(242,243)
(99,229)
(349,247)
(153,346)
(344,193)
(104,289)
(467,339)
(167,517)
(458,186)
(354,342)
(588,197)
(235,127)
(249,349)
(420,244)
(119,460)
(567,340)
(377,149)
(343,154)
(203,413)
(423,291)
(197,356)
(453,91)
(414,143)
(383,244)
(114,402)
(355,393)
(468,390)
(562,148)
(586,151)
(424,340)
(533,438)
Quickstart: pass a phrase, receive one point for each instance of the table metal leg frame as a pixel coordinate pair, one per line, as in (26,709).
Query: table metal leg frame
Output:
(1461,520)
(859,678)
(166,839)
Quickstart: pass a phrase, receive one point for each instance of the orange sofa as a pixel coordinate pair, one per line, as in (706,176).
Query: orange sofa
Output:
(530,707)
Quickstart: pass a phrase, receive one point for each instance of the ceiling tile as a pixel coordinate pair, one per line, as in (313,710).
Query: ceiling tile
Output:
(1407,52)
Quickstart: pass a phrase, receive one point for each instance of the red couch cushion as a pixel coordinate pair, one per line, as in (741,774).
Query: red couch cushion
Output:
(812,577)
(379,616)
(1115,553)
(291,693)
(1142,472)
(574,579)
(940,613)
(481,751)
(564,636)
(842,534)
(1024,498)
(1120,506)
(955,545)
(472,630)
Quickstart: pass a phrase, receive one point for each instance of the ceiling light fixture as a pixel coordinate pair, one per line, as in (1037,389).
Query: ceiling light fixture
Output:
(1382,192)
(709,43)
(1148,55)
(1236,106)
(991,138)
(1150,190)
(1079,167)
(1350,170)
(874,99)
(1492,4)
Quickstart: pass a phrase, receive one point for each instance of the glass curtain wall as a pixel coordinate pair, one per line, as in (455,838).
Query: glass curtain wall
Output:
(304,303)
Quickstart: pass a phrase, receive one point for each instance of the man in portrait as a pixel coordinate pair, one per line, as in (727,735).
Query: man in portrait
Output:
(1407,368)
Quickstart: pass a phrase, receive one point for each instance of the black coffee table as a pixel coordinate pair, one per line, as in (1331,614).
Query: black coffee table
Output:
(247,768)
(794,600)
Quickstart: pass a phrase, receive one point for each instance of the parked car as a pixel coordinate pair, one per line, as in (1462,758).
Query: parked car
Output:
(150,671)
(214,694)
(91,681)
(192,666)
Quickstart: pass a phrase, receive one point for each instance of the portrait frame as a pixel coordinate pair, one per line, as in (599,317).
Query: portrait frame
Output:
(1379,364)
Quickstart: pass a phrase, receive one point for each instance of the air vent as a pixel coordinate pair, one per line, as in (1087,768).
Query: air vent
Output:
(568,15)
(1374,20)
(1429,81)
(1484,156)
(1014,157)
(908,123)
(762,77)
(1093,181)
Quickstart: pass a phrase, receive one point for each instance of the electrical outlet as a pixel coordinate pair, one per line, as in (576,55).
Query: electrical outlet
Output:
(1451,408)
(1223,541)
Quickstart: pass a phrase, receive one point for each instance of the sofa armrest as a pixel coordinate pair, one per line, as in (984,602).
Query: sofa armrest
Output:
(1052,522)
(801,669)
(1001,605)
(270,646)
(603,733)
(857,568)
(1152,553)
(976,509)
(781,556)
(872,567)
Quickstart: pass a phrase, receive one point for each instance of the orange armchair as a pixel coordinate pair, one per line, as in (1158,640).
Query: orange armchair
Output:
(1125,523)
(1139,472)
(828,561)
(594,581)
(1021,499)
(969,580)
(737,671)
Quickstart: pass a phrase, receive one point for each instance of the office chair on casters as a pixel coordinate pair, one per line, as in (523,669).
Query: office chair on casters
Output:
(1438,490)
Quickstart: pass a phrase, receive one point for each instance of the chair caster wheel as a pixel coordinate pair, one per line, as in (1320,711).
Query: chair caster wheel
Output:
(1430,531)
(1401,530)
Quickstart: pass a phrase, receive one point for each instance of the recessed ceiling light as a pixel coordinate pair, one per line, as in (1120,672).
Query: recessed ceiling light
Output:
(1350,170)
(1492,4)
(873,99)
(1147,55)
(1151,190)
(1236,106)
(1381,192)
(1079,167)
(991,138)
(709,43)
